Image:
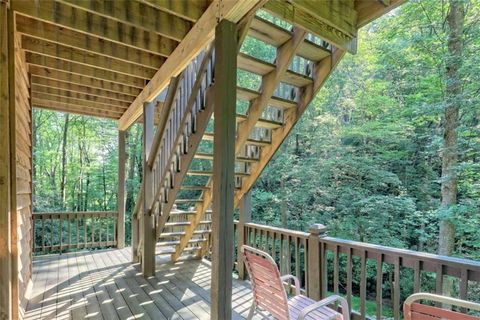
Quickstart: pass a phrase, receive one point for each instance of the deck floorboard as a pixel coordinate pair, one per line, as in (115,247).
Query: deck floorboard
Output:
(104,284)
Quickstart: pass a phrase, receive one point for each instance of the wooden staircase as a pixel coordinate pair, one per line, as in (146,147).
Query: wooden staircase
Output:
(183,158)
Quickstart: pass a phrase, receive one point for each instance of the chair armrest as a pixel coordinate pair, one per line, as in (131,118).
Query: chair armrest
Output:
(295,280)
(323,303)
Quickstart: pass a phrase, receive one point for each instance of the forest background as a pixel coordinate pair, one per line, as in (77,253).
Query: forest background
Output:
(365,159)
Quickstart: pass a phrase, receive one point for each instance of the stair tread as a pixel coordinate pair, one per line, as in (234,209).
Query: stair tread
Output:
(175,242)
(251,64)
(172,250)
(209,173)
(274,35)
(277,102)
(262,123)
(187,200)
(194,187)
(209,156)
(208,136)
(181,233)
(177,224)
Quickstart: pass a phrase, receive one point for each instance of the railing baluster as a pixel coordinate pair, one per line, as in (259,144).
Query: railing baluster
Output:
(297,258)
(100,227)
(464,286)
(43,235)
(416,276)
(336,263)
(363,283)
(379,286)
(349,279)
(92,217)
(396,289)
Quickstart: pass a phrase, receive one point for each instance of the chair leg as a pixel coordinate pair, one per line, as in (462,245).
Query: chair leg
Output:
(251,312)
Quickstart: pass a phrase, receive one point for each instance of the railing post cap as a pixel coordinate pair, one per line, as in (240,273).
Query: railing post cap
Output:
(318,229)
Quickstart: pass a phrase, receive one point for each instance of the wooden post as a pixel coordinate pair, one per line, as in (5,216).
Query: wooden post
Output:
(5,174)
(223,169)
(121,190)
(314,269)
(245,217)
(148,252)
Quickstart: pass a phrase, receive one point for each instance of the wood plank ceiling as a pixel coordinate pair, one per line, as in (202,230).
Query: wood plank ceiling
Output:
(95,57)
(104,57)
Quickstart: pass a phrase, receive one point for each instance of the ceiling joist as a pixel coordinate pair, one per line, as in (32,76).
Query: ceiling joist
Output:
(82,80)
(92,24)
(71,87)
(73,55)
(101,74)
(42,30)
(38,88)
(191,11)
(138,15)
(196,40)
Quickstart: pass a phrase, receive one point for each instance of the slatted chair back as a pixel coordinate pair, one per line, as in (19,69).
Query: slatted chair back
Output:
(268,291)
(416,311)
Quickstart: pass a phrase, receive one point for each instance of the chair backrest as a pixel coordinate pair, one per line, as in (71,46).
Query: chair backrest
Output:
(268,291)
(417,311)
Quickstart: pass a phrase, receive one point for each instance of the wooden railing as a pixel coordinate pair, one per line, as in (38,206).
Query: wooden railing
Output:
(373,276)
(59,231)
(168,160)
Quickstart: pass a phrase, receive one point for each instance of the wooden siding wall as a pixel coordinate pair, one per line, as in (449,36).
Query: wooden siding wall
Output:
(24,173)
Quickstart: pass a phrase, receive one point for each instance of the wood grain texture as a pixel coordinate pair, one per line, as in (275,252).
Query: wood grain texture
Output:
(5,174)
(198,37)
(224,168)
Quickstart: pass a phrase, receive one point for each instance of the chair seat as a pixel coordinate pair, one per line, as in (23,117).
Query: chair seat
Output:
(298,303)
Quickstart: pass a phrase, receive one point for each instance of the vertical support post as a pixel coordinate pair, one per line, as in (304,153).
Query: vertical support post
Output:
(223,168)
(148,252)
(5,174)
(314,268)
(121,190)
(245,217)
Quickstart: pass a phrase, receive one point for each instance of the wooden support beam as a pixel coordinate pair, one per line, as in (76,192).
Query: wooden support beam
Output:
(137,15)
(197,39)
(148,252)
(324,28)
(92,24)
(71,78)
(58,99)
(5,174)
(224,169)
(191,10)
(122,158)
(245,217)
(368,11)
(99,74)
(76,88)
(72,108)
(86,58)
(46,31)
(85,98)
(270,82)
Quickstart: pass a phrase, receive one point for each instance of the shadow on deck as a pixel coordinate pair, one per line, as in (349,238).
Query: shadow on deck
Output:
(106,285)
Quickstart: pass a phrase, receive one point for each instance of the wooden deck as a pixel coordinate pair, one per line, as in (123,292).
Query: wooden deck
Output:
(105,285)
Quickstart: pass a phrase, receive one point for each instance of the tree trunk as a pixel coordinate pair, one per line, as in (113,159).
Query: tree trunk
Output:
(452,98)
(284,208)
(64,161)
(452,106)
(131,156)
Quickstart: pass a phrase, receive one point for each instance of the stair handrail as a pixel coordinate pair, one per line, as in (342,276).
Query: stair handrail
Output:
(193,96)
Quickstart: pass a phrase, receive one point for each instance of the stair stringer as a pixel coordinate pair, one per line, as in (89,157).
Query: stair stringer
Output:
(322,71)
